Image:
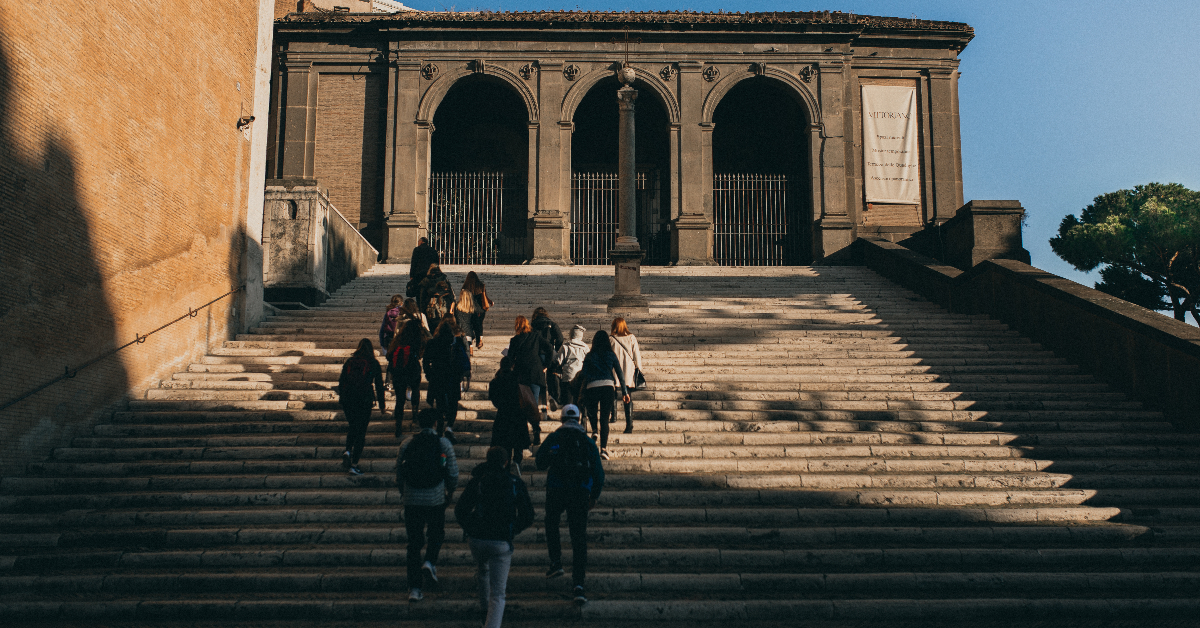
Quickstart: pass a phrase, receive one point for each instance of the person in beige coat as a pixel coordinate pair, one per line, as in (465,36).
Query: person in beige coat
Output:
(625,345)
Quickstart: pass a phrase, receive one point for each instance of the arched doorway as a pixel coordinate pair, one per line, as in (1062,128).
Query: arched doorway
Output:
(594,151)
(479,163)
(761,212)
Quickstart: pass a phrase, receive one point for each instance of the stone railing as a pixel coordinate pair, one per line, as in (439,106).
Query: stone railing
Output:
(1153,358)
(309,248)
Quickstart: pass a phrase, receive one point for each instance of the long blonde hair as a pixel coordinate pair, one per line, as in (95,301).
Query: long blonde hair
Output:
(466,300)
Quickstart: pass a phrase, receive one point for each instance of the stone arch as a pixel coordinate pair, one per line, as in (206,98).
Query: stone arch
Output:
(442,85)
(585,83)
(798,88)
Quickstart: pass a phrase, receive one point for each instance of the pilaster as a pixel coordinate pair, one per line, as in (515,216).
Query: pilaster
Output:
(947,163)
(691,233)
(300,120)
(407,176)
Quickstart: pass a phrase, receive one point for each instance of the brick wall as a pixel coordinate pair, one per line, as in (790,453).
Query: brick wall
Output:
(349,155)
(123,197)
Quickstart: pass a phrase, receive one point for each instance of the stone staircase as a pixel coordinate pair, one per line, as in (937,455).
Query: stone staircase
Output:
(815,443)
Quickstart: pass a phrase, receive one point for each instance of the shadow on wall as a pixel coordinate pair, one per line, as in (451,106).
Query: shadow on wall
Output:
(54,312)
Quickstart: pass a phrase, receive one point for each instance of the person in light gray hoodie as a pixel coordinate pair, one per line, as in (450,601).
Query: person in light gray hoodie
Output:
(570,360)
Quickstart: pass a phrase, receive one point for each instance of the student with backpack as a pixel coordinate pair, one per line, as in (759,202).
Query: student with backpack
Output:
(426,472)
(602,375)
(360,373)
(570,363)
(548,329)
(447,365)
(435,296)
(492,510)
(574,480)
(404,364)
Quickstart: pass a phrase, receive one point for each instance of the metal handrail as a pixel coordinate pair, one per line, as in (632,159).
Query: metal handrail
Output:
(138,339)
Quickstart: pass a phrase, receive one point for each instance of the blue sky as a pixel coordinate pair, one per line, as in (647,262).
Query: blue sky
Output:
(1060,101)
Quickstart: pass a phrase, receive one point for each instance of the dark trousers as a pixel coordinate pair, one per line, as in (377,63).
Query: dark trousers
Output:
(445,399)
(576,508)
(477,326)
(598,403)
(403,385)
(416,519)
(356,433)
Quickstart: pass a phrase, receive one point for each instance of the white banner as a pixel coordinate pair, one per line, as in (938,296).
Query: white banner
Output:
(891,159)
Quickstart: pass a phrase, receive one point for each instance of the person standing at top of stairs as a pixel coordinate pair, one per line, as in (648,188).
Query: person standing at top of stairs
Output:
(360,373)
(423,256)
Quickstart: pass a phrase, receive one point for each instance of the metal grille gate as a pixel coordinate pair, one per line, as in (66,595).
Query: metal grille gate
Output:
(594,205)
(466,217)
(750,220)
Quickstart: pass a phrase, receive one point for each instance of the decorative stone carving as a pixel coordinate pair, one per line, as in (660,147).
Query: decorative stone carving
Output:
(807,73)
(527,71)
(572,72)
(479,66)
(668,73)
(712,73)
(759,69)
(429,71)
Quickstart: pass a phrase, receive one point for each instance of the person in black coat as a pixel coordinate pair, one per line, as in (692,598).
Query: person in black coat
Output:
(509,429)
(444,373)
(361,376)
(526,349)
(422,257)
(548,329)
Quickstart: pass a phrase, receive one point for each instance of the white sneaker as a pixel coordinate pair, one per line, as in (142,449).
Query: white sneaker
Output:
(430,571)
(414,595)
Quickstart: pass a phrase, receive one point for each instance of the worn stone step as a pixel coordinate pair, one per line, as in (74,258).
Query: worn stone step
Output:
(363,494)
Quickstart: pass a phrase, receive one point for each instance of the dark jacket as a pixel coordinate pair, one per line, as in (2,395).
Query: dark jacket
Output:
(491,477)
(423,257)
(601,365)
(440,370)
(526,350)
(549,330)
(547,455)
(426,291)
(348,398)
(509,429)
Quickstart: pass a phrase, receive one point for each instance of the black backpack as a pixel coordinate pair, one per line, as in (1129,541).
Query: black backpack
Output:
(423,464)
(495,506)
(572,460)
(354,385)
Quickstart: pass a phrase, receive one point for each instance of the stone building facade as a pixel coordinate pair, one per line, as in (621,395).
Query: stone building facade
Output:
(360,101)
(131,187)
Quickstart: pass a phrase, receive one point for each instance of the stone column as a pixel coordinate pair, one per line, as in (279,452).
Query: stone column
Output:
(300,120)
(627,254)
(549,226)
(691,235)
(405,174)
(947,163)
(836,226)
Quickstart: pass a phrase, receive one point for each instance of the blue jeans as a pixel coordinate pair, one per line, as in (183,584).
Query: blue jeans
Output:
(493,559)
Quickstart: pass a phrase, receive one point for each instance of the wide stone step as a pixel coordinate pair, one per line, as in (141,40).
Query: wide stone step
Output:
(807,476)
(797,498)
(703,560)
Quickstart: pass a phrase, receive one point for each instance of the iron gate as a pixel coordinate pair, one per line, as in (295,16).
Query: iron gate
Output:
(594,204)
(751,221)
(467,213)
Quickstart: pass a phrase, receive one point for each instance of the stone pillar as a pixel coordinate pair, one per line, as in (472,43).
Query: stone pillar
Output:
(836,225)
(549,223)
(294,264)
(403,175)
(691,233)
(983,230)
(627,254)
(300,120)
(947,162)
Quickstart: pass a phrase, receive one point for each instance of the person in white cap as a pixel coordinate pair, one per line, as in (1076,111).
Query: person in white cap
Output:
(574,480)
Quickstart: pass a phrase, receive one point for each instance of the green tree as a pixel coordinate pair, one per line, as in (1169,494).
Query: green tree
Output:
(1148,240)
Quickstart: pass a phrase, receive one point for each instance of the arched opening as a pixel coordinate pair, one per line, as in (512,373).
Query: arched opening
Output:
(594,152)
(761,212)
(479,163)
